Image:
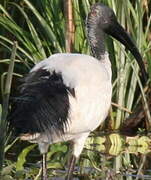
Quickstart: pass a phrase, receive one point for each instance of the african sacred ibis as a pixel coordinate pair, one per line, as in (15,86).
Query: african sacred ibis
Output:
(66,96)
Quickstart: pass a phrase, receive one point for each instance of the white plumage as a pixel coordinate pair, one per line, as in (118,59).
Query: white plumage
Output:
(91,81)
(66,96)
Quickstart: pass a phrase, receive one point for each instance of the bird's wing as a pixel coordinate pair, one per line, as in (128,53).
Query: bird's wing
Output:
(43,104)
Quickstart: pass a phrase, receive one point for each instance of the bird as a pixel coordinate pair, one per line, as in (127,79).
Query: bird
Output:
(68,95)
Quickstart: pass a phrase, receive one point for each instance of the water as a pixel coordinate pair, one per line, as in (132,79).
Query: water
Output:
(105,157)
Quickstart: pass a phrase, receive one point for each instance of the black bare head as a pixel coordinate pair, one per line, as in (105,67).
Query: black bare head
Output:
(102,15)
(102,19)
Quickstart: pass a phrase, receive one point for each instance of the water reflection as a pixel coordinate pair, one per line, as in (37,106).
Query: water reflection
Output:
(114,157)
(105,157)
(118,157)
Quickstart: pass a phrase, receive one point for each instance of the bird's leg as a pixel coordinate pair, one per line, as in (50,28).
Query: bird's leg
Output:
(44,166)
(77,146)
(72,162)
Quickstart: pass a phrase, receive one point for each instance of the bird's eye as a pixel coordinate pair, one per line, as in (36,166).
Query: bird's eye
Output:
(93,13)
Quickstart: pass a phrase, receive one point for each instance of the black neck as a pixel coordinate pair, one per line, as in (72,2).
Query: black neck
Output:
(95,38)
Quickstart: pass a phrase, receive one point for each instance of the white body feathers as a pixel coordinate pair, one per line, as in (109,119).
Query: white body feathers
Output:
(91,80)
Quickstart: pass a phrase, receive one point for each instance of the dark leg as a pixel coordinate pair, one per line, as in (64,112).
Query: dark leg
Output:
(44,167)
(71,167)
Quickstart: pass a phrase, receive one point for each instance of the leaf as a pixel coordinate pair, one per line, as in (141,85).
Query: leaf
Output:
(22,157)
(45,26)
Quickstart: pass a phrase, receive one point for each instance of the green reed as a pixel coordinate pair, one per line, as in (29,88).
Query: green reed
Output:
(40,32)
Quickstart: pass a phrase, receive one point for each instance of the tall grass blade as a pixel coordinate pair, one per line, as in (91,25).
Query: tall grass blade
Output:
(45,26)
(6,93)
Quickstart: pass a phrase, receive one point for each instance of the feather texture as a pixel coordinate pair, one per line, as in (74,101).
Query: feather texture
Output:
(43,104)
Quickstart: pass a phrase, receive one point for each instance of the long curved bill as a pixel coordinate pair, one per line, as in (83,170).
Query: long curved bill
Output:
(119,33)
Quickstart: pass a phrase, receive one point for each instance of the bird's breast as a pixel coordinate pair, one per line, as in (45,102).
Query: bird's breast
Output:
(91,81)
(90,107)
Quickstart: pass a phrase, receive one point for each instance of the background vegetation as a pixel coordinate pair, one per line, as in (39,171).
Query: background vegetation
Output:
(45,27)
